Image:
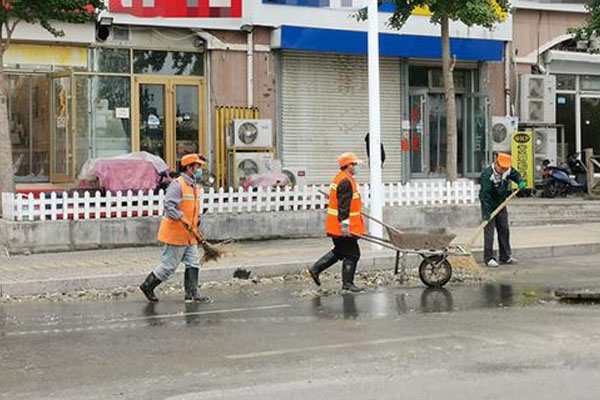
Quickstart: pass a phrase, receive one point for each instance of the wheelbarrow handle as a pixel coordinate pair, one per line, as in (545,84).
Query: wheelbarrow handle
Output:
(364,214)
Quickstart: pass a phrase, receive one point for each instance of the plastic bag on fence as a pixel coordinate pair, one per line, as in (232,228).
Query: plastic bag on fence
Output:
(134,171)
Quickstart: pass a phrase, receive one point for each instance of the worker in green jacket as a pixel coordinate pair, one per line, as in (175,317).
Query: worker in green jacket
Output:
(495,188)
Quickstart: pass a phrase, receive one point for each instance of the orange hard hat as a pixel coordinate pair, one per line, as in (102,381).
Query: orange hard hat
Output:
(347,159)
(504,160)
(192,159)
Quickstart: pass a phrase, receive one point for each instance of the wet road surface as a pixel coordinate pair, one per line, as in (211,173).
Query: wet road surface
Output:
(506,338)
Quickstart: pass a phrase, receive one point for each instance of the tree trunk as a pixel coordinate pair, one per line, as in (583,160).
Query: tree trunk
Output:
(7,178)
(451,134)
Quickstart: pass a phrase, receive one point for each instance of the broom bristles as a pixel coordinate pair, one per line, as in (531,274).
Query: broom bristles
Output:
(467,263)
(211,253)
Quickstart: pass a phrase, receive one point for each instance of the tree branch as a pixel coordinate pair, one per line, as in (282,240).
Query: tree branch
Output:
(453,65)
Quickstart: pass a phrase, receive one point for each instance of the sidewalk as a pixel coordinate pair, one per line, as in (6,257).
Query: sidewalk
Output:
(62,272)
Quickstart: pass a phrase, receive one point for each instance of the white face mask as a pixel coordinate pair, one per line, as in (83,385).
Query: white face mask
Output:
(357,169)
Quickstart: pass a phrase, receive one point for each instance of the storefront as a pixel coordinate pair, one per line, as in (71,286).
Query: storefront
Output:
(427,108)
(324,101)
(101,101)
(577,98)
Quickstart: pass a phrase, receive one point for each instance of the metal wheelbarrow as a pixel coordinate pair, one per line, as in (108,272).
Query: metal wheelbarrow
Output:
(432,245)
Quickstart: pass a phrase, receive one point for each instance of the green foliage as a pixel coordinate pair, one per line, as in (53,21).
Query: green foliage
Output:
(46,12)
(485,13)
(592,27)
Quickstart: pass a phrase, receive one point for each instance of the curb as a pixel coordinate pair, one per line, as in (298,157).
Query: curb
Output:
(369,263)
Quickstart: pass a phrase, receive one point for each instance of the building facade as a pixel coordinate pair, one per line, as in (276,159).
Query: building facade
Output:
(152,80)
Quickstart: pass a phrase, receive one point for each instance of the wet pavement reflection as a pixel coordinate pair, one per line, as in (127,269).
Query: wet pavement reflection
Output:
(384,302)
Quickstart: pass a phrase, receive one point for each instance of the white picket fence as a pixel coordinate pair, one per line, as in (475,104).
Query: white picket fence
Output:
(65,206)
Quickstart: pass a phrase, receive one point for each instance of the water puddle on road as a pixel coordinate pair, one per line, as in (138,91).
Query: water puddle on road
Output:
(430,300)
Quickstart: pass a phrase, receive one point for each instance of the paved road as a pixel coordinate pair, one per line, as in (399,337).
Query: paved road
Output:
(503,339)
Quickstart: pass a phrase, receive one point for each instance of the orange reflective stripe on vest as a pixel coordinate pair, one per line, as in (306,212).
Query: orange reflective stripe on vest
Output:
(333,226)
(174,232)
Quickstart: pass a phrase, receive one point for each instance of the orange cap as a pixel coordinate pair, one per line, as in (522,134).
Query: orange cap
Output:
(191,159)
(347,159)
(504,160)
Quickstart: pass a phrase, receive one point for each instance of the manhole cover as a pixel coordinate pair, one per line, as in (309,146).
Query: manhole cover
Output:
(578,294)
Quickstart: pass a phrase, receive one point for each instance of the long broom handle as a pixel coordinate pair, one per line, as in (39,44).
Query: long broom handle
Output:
(368,216)
(196,235)
(497,211)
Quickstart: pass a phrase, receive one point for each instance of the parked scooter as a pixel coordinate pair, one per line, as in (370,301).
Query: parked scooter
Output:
(558,181)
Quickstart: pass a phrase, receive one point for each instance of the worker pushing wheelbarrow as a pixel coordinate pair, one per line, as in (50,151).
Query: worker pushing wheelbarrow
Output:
(345,225)
(433,246)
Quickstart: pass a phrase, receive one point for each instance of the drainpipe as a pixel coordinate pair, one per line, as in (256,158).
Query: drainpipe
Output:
(507,57)
(249,29)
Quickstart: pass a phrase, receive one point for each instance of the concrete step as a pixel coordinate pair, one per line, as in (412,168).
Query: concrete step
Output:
(552,221)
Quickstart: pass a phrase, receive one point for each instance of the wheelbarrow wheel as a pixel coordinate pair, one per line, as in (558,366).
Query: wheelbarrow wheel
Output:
(435,271)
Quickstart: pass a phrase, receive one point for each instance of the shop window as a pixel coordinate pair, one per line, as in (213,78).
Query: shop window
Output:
(29,116)
(112,60)
(418,76)
(566,82)
(462,79)
(177,63)
(103,124)
(590,82)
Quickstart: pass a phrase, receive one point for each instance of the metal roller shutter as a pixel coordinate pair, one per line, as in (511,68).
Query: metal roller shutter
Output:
(324,112)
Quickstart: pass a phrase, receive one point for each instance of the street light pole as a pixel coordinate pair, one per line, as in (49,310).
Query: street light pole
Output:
(376,204)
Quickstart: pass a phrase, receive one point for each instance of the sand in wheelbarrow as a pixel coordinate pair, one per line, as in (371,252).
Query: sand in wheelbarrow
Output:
(434,239)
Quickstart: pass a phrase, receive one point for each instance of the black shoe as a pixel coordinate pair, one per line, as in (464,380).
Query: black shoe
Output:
(348,271)
(149,285)
(352,288)
(190,283)
(321,265)
(315,277)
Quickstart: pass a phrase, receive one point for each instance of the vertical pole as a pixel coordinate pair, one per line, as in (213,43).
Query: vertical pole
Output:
(374,120)
(589,164)
(250,69)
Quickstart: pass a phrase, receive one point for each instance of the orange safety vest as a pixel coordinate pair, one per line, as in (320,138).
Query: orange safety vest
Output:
(333,226)
(174,232)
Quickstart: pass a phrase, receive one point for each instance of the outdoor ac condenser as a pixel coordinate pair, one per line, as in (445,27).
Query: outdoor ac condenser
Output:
(545,147)
(251,134)
(244,164)
(502,132)
(538,98)
(296,175)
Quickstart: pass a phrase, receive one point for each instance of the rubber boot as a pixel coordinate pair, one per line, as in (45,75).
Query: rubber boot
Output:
(149,285)
(321,265)
(348,271)
(190,283)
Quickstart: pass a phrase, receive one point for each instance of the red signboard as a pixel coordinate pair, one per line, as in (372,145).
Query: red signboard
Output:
(178,8)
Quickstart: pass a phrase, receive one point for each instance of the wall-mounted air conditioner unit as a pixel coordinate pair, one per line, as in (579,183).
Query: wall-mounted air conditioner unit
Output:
(538,98)
(502,131)
(251,134)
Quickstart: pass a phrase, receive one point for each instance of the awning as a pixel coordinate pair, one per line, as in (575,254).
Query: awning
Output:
(391,45)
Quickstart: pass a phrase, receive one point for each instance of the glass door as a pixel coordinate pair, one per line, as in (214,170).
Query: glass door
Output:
(170,121)
(188,119)
(152,118)
(475,131)
(62,150)
(590,123)
(418,138)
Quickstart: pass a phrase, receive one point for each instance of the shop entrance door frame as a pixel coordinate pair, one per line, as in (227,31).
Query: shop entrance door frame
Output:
(60,121)
(578,123)
(170,84)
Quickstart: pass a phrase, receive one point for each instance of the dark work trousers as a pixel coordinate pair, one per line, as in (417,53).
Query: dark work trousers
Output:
(500,224)
(346,248)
